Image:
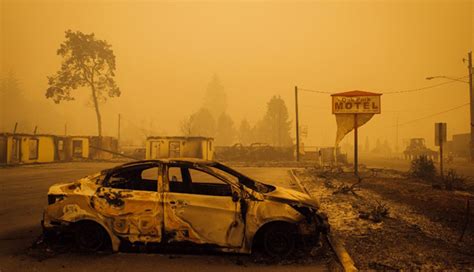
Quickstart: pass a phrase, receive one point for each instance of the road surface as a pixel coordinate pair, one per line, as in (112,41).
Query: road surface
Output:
(23,196)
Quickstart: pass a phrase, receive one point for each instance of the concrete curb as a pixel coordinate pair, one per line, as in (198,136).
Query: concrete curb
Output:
(336,244)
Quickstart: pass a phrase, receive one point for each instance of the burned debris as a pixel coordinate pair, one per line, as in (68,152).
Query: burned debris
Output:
(394,216)
(376,213)
(345,189)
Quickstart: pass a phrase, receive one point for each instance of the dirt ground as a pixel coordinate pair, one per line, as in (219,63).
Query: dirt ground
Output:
(421,229)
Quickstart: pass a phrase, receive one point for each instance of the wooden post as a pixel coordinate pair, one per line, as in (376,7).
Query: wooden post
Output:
(471,99)
(356,147)
(118,130)
(297,126)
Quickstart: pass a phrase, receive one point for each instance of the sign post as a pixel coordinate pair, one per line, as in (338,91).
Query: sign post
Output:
(356,147)
(440,138)
(353,109)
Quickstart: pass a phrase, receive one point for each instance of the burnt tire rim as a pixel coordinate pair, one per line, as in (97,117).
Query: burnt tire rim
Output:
(90,237)
(279,243)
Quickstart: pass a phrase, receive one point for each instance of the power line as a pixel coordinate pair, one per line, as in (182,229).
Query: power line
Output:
(314,91)
(434,114)
(426,87)
(397,92)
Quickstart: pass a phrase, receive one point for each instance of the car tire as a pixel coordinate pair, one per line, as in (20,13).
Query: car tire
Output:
(279,240)
(90,236)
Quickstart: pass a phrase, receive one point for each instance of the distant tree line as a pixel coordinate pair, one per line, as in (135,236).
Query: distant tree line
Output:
(15,107)
(212,120)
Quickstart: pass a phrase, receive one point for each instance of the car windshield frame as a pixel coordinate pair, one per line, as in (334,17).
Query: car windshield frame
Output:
(245,180)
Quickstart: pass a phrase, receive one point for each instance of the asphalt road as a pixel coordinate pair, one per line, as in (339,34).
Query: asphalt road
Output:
(23,196)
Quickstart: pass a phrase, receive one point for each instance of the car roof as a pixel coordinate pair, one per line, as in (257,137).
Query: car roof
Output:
(168,161)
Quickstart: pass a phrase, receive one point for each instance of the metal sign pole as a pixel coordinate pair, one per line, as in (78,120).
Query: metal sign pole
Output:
(354,102)
(440,138)
(356,147)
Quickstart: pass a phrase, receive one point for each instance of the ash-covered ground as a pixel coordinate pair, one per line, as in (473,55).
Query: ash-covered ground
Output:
(389,220)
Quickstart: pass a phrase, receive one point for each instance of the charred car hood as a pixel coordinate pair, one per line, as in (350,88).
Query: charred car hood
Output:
(291,197)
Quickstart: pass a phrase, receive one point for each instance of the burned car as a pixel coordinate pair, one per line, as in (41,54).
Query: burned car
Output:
(182,202)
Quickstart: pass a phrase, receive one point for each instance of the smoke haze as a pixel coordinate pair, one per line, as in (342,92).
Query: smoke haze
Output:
(168,52)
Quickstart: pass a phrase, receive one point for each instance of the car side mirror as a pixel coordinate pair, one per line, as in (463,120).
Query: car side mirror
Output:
(235,196)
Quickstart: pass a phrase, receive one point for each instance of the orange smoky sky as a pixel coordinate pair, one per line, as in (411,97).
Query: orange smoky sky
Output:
(168,51)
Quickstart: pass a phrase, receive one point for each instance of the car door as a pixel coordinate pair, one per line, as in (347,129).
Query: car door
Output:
(199,208)
(131,203)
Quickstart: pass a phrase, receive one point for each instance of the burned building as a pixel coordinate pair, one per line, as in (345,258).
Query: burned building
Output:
(158,147)
(22,148)
(459,145)
(26,148)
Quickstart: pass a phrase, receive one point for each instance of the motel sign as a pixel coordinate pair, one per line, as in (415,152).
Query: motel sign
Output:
(352,103)
(353,109)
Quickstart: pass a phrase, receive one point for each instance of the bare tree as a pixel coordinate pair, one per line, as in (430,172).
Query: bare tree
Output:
(87,62)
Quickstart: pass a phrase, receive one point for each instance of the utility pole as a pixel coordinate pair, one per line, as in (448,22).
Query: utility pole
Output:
(440,138)
(396,138)
(118,130)
(16,126)
(471,95)
(297,126)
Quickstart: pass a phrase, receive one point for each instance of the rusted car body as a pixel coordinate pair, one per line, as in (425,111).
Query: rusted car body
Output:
(182,201)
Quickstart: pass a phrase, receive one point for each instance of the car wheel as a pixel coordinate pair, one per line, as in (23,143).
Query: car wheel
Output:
(90,236)
(279,240)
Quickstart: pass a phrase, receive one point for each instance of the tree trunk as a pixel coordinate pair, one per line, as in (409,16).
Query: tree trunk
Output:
(97,111)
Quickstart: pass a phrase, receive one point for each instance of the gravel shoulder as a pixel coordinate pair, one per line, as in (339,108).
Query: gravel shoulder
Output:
(420,231)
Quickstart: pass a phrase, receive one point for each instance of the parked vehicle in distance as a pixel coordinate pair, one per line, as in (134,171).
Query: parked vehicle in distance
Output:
(417,148)
(183,201)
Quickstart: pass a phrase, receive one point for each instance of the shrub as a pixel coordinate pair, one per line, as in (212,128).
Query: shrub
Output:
(423,168)
(453,181)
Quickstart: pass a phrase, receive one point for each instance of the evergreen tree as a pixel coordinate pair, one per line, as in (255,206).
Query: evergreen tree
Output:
(13,103)
(202,123)
(216,99)
(275,126)
(245,132)
(225,133)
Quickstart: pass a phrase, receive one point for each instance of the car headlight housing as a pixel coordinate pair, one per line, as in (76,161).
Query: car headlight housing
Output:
(55,198)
